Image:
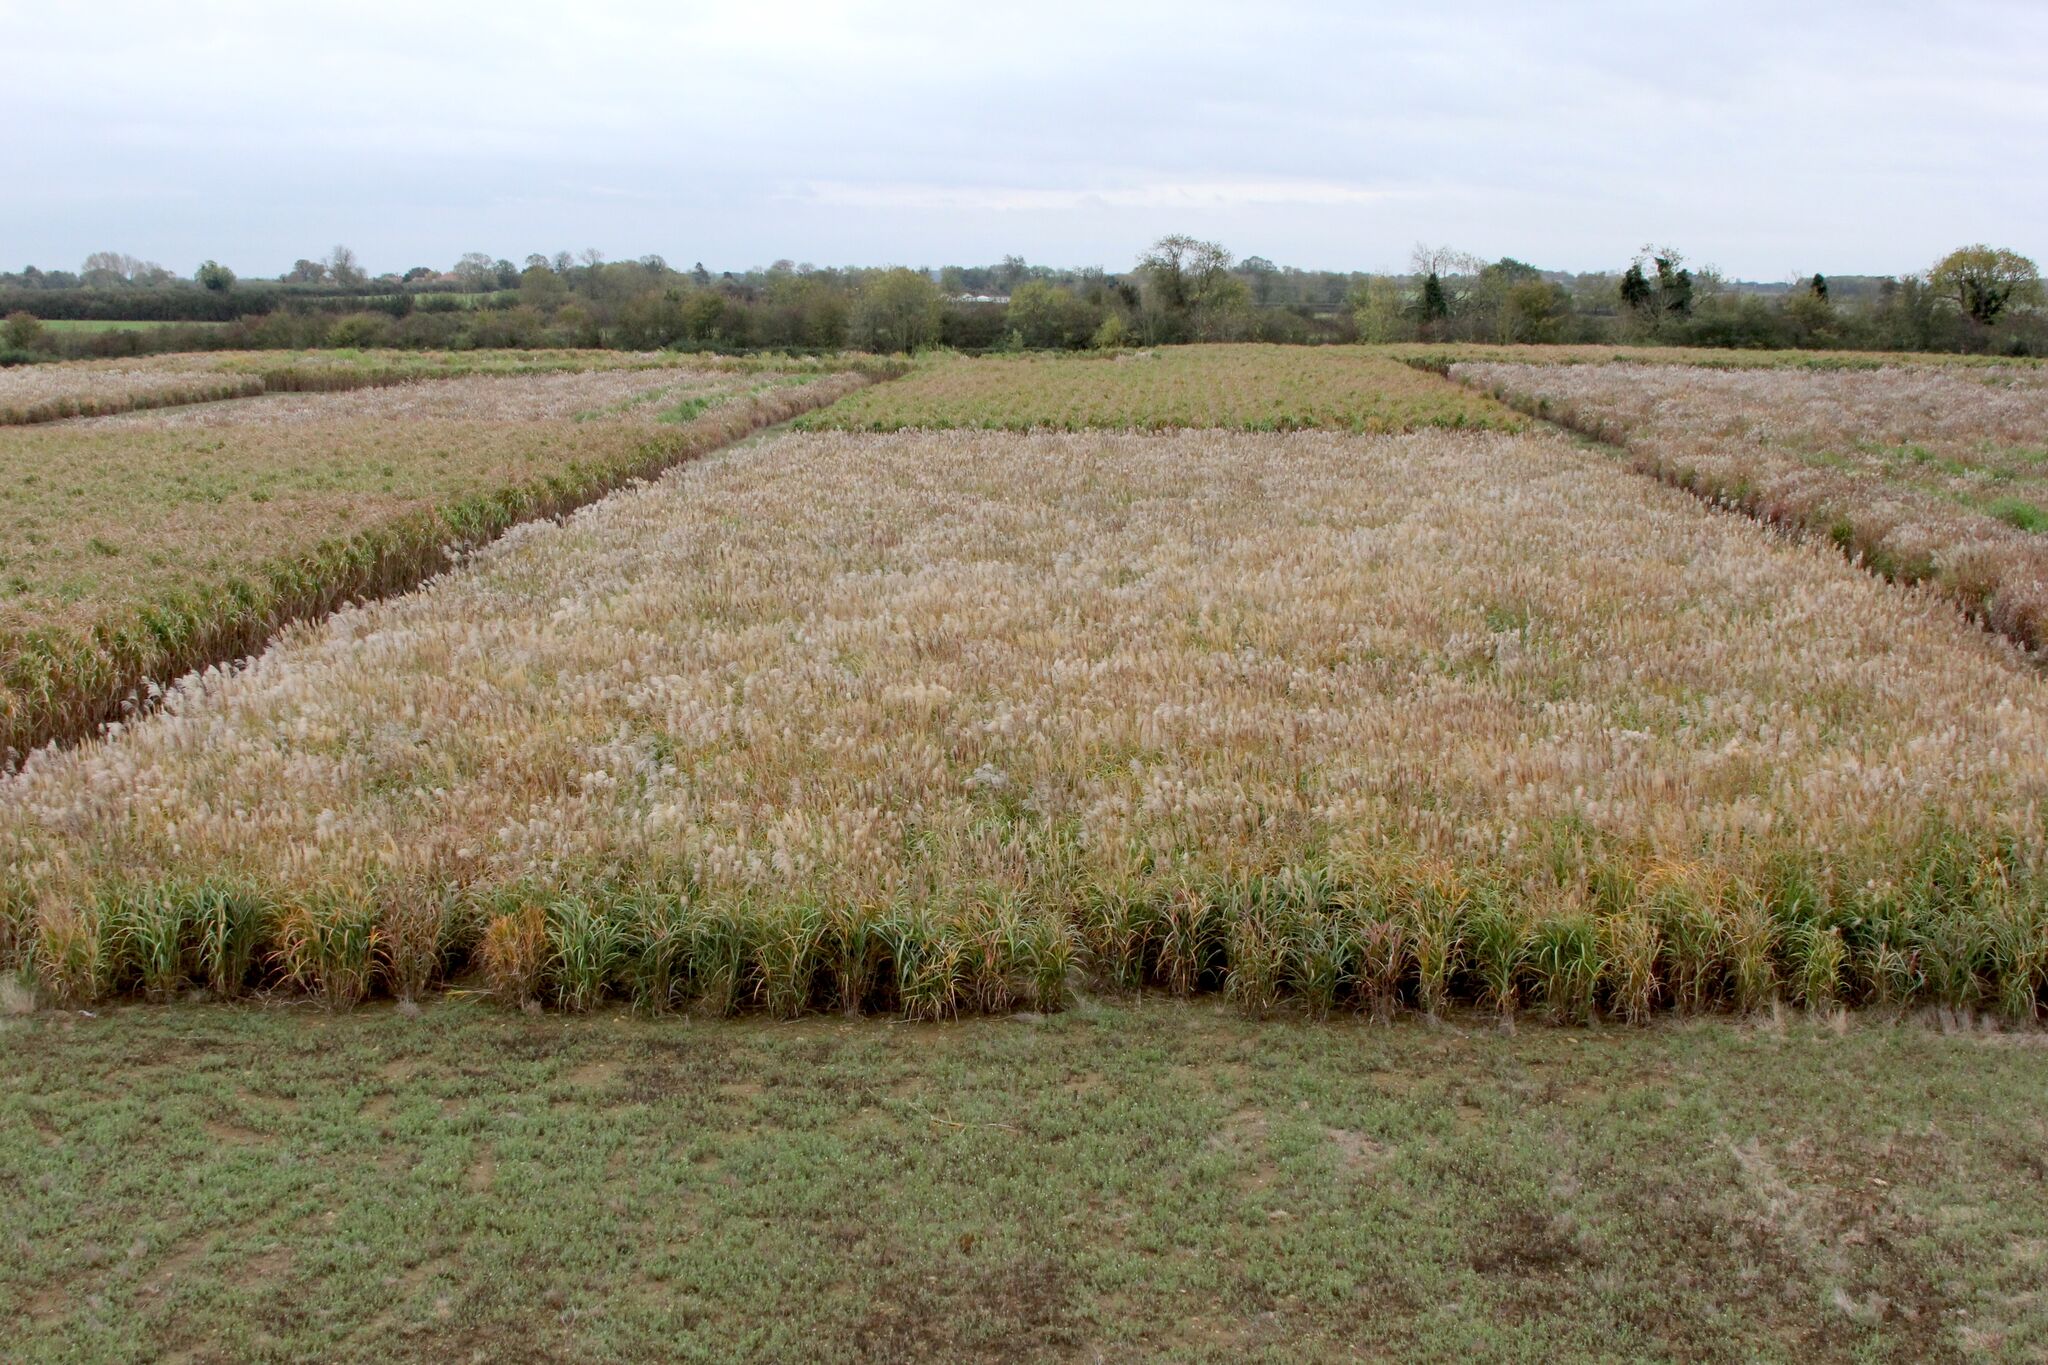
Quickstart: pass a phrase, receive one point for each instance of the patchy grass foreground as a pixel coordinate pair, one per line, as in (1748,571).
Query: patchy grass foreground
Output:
(1144,1180)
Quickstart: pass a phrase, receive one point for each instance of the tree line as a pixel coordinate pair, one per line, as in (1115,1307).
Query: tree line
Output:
(1180,290)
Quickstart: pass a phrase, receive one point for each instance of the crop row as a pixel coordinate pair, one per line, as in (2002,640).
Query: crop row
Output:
(1925,474)
(1308,715)
(174,567)
(1241,387)
(32,394)
(1321,937)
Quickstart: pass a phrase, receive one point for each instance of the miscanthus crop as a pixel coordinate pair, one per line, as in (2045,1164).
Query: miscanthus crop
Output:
(136,547)
(48,393)
(88,388)
(1926,473)
(939,722)
(1247,387)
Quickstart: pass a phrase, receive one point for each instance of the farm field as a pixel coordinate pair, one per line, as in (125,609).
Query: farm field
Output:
(1439,356)
(1250,387)
(1126,1180)
(110,325)
(922,722)
(1317,894)
(90,388)
(136,546)
(47,393)
(1927,473)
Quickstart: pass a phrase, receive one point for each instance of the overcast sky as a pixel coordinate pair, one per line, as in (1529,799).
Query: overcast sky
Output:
(1849,136)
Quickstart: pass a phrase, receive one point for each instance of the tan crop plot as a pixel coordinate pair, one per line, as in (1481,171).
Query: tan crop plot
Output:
(46,393)
(88,388)
(1440,356)
(135,547)
(920,721)
(1246,387)
(1928,473)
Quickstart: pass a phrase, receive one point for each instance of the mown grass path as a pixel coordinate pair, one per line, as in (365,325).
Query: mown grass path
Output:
(1131,1180)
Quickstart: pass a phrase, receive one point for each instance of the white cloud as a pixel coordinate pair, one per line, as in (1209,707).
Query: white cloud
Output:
(1847,135)
(1158,194)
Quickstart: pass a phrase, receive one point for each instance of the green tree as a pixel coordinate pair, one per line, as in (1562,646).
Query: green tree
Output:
(805,309)
(345,269)
(476,271)
(24,331)
(1487,302)
(1262,273)
(1984,281)
(1674,284)
(1111,334)
(1810,317)
(1380,310)
(897,310)
(1636,293)
(1187,283)
(713,319)
(214,276)
(1012,274)
(1046,317)
(1436,304)
(542,288)
(1534,311)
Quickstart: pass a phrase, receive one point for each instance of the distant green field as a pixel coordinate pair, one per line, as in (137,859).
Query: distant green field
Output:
(97,325)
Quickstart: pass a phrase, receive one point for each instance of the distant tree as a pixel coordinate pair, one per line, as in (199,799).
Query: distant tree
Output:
(23,331)
(1183,272)
(476,271)
(805,308)
(214,276)
(1809,315)
(1488,298)
(544,290)
(1674,284)
(699,276)
(897,310)
(1012,273)
(1188,289)
(304,271)
(1047,317)
(1636,293)
(418,272)
(105,269)
(1111,334)
(1435,303)
(345,269)
(1261,272)
(1380,310)
(1534,310)
(536,261)
(504,274)
(1984,281)
(1443,260)
(1671,293)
